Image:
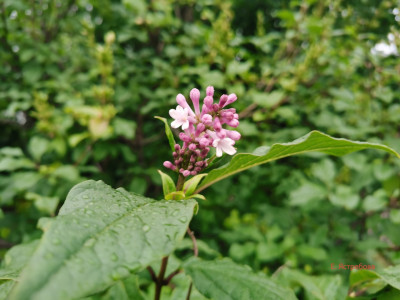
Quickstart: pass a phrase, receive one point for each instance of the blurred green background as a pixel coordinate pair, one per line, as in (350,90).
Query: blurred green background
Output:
(80,83)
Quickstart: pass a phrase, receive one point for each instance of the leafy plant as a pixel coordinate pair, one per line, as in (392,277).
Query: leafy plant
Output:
(122,233)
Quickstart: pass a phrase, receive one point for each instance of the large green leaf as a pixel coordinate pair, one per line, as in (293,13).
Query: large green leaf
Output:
(99,237)
(223,279)
(312,142)
(14,260)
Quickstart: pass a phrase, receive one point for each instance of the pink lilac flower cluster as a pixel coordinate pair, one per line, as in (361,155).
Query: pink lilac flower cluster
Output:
(202,129)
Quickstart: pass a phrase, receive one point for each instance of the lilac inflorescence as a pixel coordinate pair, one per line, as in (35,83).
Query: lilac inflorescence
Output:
(202,129)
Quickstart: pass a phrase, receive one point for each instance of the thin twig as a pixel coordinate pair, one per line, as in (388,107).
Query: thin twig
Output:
(152,274)
(160,278)
(169,278)
(196,254)
(195,248)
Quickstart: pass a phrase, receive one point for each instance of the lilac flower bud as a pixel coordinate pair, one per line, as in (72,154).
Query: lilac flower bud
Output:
(236,116)
(177,147)
(176,162)
(192,158)
(174,154)
(180,99)
(192,147)
(195,96)
(193,173)
(206,119)
(232,134)
(221,134)
(169,165)
(215,107)
(197,169)
(182,152)
(231,98)
(190,167)
(217,124)
(210,91)
(204,152)
(200,128)
(181,170)
(204,110)
(208,101)
(184,137)
(233,123)
(222,101)
(197,152)
(200,163)
(186,173)
(204,142)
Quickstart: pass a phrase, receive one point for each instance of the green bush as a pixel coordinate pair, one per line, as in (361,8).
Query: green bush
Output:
(81,81)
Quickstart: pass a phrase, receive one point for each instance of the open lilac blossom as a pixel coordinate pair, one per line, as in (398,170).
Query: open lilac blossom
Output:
(202,129)
(180,115)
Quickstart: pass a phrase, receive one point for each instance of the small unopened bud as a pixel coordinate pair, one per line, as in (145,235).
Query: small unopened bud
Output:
(184,137)
(186,173)
(208,101)
(206,119)
(193,173)
(231,98)
(192,147)
(169,165)
(223,100)
(210,91)
(200,163)
(232,134)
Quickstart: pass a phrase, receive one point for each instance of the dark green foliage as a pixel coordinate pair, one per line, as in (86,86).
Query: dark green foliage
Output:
(81,82)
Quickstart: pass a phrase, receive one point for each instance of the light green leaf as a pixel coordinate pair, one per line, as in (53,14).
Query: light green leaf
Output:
(124,127)
(14,260)
(316,287)
(178,195)
(223,279)
(168,132)
(168,184)
(126,289)
(14,163)
(314,141)
(190,186)
(391,276)
(37,147)
(101,236)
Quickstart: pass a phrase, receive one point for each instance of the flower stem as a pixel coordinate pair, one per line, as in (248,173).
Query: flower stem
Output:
(160,278)
(181,181)
(196,253)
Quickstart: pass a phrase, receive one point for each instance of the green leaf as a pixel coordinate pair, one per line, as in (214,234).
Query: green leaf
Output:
(314,141)
(168,184)
(14,260)
(178,195)
(168,132)
(126,289)
(37,147)
(391,276)
(124,128)
(101,236)
(223,279)
(316,287)
(190,186)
